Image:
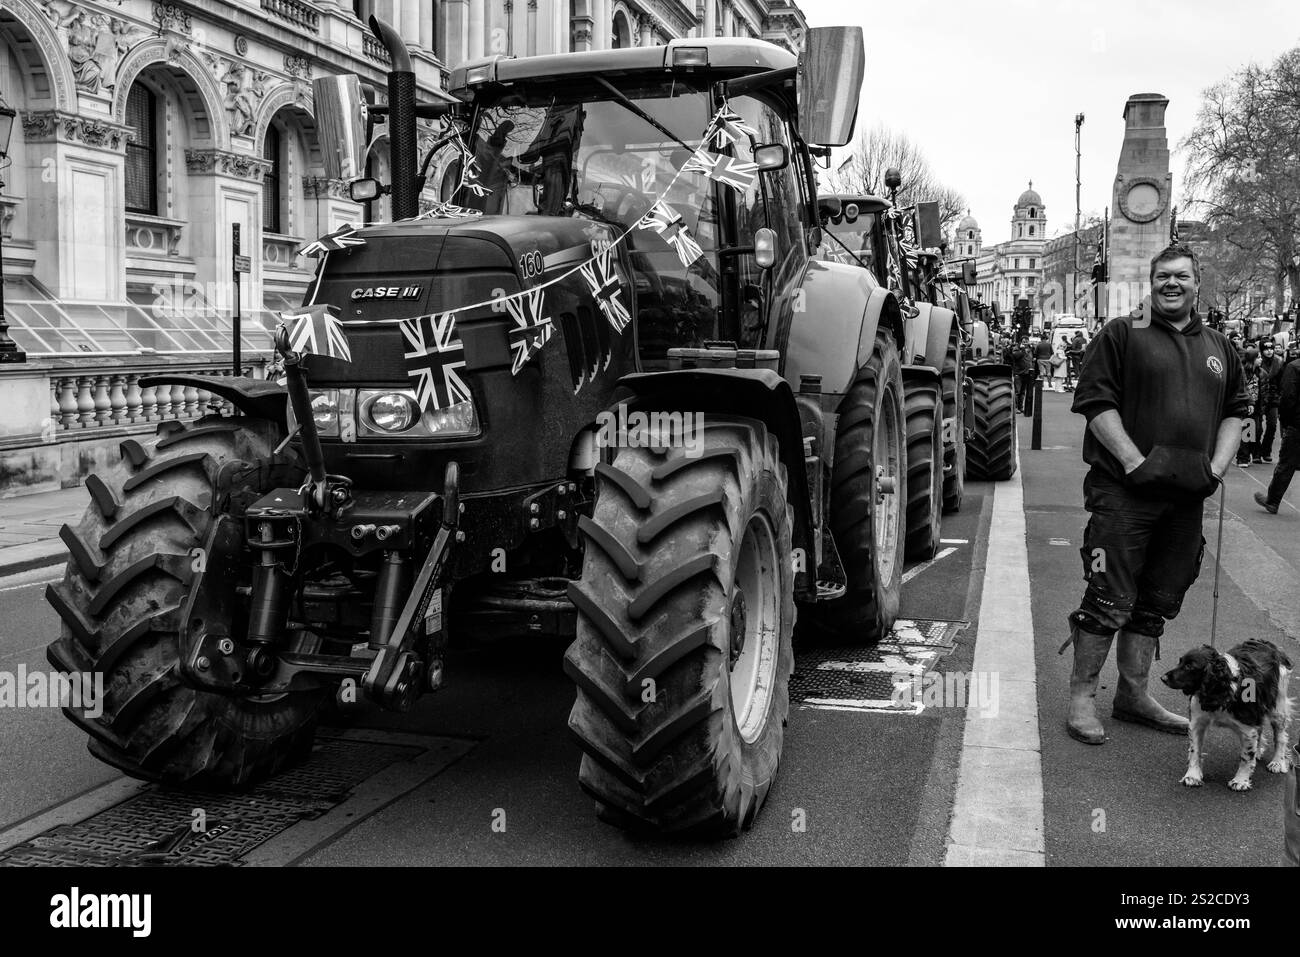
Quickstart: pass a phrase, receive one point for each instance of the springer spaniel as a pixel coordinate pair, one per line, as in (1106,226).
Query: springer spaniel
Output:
(1241,689)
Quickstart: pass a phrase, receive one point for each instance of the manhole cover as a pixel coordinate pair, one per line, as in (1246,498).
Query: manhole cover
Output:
(172,827)
(869,678)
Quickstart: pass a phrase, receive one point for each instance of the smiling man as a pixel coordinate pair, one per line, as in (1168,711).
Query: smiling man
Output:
(1163,396)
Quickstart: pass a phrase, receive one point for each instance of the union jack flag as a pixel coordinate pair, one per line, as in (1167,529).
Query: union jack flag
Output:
(433,359)
(723,169)
(531,331)
(665,221)
(602,279)
(317,331)
(341,238)
(728,127)
(441,210)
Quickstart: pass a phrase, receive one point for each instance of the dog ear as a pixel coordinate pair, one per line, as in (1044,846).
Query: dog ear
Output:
(1216,684)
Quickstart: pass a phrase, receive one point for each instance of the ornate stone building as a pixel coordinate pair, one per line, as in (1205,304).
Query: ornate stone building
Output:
(1006,271)
(146,130)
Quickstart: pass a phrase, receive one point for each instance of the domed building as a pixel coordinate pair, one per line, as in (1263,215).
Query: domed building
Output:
(1013,269)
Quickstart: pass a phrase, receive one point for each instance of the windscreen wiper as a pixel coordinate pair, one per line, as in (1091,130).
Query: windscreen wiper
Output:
(622,99)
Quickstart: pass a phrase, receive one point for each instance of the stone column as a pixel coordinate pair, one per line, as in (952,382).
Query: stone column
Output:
(426,24)
(456,32)
(477,28)
(603,26)
(77,223)
(226,188)
(710,18)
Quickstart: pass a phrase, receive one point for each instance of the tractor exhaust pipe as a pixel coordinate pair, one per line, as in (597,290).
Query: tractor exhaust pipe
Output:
(401,121)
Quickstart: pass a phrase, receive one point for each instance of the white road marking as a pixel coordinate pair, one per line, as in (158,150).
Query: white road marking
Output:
(1058,541)
(874,705)
(954,541)
(998,806)
(913,572)
(42,581)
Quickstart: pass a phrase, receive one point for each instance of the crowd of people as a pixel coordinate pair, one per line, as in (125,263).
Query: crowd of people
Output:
(1030,360)
(1264,364)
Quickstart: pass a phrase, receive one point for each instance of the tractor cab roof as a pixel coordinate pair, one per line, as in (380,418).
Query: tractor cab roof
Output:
(729,56)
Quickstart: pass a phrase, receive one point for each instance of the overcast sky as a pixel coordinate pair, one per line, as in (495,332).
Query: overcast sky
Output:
(989,90)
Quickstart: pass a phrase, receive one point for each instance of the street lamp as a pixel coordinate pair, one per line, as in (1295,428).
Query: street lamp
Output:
(9,351)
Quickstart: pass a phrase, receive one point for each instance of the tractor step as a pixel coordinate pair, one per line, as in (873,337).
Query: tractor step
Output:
(829,591)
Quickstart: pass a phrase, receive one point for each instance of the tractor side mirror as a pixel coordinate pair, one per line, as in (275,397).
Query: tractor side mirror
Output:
(771,156)
(969,273)
(928,233)
(340,108)
(829,207)
(829,82)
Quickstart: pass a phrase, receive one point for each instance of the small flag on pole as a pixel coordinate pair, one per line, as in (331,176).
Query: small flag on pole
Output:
(602,279)
(434,358)
(723,169)
(665,221)
(1099,264)
(341,238)
(317,331)
(1173,227)
(531,330)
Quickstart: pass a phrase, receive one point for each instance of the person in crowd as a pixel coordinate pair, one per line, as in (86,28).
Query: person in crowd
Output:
(1164,399)
(1250,381)
(1074,359)
(1022,367)
(1043,360)
(1270,387)
(1288,457)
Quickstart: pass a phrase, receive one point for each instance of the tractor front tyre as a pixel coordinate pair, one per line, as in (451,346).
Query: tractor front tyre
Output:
(925,480)
(991,451)
(683,652)
(867,496)
(133,557)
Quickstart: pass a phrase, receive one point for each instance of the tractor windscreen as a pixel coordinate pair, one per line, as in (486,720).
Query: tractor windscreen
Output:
(578,150)
(851,241)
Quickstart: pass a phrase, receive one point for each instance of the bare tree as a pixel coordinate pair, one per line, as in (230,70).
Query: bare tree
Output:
(1244,171)
(880,148)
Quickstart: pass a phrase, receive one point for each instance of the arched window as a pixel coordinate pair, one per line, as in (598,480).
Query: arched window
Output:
(271,181)
(142,151)
(622,37)
(1032,212)
(1021,228)
(970,234)
(1031,230)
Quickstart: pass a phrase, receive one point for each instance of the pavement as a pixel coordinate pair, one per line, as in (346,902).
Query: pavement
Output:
(29,527)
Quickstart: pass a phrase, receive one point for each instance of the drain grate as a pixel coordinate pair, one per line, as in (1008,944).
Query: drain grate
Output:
(865,679)
(156,826)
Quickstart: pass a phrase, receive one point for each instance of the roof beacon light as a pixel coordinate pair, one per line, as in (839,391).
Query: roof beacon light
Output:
(478,74)
(691,56)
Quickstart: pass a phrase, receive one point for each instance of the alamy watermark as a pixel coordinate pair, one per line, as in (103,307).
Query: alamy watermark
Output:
(976,690)
(623,428)
(82,691)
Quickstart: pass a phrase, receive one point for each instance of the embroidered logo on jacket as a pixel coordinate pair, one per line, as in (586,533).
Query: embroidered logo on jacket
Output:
(1215,365)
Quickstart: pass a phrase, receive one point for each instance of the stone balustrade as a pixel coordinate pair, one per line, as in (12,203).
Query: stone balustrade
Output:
(295,12)
(281,252)
(152,235)
(90,400)
(373,49)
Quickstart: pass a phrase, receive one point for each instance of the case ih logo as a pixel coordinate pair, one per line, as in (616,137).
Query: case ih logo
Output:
(387,292)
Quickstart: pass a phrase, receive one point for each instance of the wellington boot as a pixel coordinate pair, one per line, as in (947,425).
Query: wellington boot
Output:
(1090,651)
(1133,702)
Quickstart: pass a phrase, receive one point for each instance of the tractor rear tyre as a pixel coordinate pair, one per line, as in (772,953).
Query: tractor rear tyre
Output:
(132,559)
(954,411)
(867,516)
(683,652)
(991,451)
(925,480)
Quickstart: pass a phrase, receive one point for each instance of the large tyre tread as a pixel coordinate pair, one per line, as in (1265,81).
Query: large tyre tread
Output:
(922,406)
(991,452)
(650,571)
(119,603)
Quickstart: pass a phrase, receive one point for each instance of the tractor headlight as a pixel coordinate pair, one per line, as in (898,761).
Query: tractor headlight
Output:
(390,412)
(458,419)
(325,411)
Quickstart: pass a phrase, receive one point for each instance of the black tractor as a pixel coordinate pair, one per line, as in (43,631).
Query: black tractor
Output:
(559,417)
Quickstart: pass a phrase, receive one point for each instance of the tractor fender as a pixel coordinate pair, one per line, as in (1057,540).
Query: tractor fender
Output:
(752,393)
(834,332)
(923,375)
(980,340)
(929,335)
(988,370)
(257,398)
